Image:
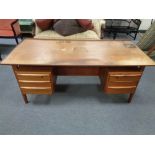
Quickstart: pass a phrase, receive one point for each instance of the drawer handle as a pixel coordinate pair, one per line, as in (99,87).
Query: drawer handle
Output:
(35,87)
(24,81)
(124,87)
(131,75)
(42,75)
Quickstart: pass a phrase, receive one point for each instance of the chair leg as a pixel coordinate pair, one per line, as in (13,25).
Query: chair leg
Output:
(16,39)
(114,36)
(21,36)
(135,35)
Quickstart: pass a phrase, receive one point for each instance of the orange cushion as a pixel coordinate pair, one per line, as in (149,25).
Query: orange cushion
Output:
(44,24)
(5,24)
(86,23)
(6,33)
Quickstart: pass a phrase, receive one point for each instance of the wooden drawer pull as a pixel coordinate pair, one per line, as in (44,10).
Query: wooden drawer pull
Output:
(125,87)
(123,75)
(36,87)
(24,81)
(19,74)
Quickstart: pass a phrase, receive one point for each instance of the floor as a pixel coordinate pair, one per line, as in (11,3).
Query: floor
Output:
(77,107)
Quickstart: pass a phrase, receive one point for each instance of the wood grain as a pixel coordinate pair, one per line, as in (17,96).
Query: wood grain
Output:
(35,80)
(124,78)
(121,90)
(122,83)
(34,77)
(121,80)
(77,71)
(77,53)
(34,84)
(36,90)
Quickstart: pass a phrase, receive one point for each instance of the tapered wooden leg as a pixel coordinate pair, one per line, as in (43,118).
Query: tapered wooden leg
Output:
(25,98)
(130,97)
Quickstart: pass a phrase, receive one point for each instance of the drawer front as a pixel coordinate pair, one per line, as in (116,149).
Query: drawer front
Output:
(34,84)
(36,90)
(124,77)
(120,90)
(121,83)
(32,69)
(34,76)
(35,80)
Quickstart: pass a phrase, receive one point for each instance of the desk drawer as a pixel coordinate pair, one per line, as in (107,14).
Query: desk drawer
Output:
(121,90)
(35,80)
(23,83)
(36,90)
(34,76)
(126,76)
(121,81)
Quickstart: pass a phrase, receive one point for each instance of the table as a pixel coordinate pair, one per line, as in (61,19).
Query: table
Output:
(37,63)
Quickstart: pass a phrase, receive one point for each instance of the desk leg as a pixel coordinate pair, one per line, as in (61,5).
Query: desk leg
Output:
(24,95)
(130,97)
(132,94)
(25,98)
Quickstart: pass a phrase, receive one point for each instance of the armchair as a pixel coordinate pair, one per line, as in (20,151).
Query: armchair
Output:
(94,34)
(147,42)
(9,28)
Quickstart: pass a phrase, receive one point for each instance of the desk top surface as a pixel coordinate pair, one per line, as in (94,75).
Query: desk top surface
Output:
(77,53)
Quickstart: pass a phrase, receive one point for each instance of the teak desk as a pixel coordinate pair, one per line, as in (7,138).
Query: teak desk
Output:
(37,63)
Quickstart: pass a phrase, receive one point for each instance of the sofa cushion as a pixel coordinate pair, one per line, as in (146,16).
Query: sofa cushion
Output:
(49,34)
(86,23)
(44,24)
(67,27)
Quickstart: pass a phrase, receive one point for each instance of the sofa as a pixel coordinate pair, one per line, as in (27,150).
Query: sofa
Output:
(94,34)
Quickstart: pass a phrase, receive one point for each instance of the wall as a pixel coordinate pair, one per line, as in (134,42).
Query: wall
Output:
(146,23)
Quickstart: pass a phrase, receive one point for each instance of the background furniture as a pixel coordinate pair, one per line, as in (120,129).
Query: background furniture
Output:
(9,28)
(147,41)
(128,26)
(27,26)
(94,34)
(119,64)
